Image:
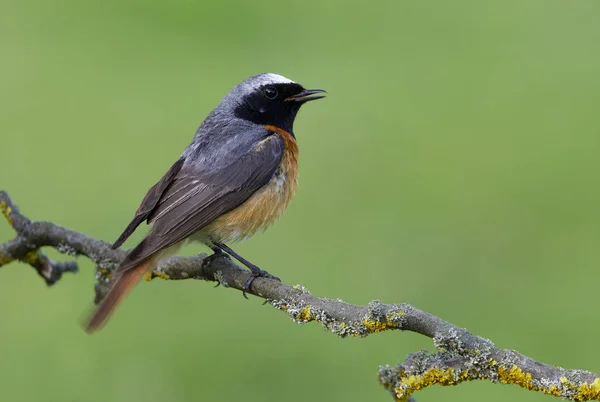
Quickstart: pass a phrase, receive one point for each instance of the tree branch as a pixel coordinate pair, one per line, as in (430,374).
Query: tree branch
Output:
(461,356)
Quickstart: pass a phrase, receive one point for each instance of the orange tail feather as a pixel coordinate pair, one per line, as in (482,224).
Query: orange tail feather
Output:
(119,290)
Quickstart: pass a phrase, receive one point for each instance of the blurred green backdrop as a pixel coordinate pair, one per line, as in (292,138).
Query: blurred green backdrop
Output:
(454,166)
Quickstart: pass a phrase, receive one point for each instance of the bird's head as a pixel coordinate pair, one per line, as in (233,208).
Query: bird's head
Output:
(269,99)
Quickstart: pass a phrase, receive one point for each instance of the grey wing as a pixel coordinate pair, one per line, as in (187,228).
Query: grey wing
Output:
(196,198)
(150,201)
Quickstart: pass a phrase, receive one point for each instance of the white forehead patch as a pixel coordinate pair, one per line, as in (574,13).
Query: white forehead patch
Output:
(251,85)
(270,79)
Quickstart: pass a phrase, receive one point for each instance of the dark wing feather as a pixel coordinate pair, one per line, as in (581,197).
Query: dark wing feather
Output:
(150,202)
(196,198)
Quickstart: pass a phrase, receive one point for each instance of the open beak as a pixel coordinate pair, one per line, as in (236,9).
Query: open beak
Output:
(306,95)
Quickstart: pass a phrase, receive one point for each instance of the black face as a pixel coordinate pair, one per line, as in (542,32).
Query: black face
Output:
(275,105)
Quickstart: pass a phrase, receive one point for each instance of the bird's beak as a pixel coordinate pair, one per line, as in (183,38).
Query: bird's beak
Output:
(306,95)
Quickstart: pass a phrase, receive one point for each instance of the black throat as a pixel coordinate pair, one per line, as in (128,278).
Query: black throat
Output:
(258,108)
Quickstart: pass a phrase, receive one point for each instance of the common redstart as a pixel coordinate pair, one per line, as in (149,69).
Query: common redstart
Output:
(236,177)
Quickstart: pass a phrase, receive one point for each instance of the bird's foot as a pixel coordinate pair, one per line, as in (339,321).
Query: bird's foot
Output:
(256,272)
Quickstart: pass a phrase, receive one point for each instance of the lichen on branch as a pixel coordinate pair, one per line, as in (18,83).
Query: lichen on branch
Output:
(461,356)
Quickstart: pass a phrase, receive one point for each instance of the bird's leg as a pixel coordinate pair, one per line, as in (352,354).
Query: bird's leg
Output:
(256,271)
(217,253)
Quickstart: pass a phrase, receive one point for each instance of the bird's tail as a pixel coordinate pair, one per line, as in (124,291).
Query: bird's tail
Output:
(119,290)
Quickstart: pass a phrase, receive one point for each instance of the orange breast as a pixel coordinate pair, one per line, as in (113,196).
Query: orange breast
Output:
(266,205)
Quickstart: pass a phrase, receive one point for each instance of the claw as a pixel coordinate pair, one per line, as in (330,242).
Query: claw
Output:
(256,273)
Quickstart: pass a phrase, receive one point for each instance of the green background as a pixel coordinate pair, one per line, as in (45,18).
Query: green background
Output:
(454,166)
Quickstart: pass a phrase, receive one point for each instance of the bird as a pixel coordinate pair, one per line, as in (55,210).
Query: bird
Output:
(235,178)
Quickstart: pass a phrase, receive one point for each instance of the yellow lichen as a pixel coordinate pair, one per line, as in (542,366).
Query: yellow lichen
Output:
(148,276)
(6,211)
(413,383)
(553,390)
(32,258)
(464,376)
(104,272)
(5,259)
(305,315)
(395,314)
(587,391)
(515,375)
(162,276)
(375,326)
(379,326)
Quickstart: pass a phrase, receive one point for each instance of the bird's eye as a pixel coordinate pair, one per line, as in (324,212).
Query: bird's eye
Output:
(271,93)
